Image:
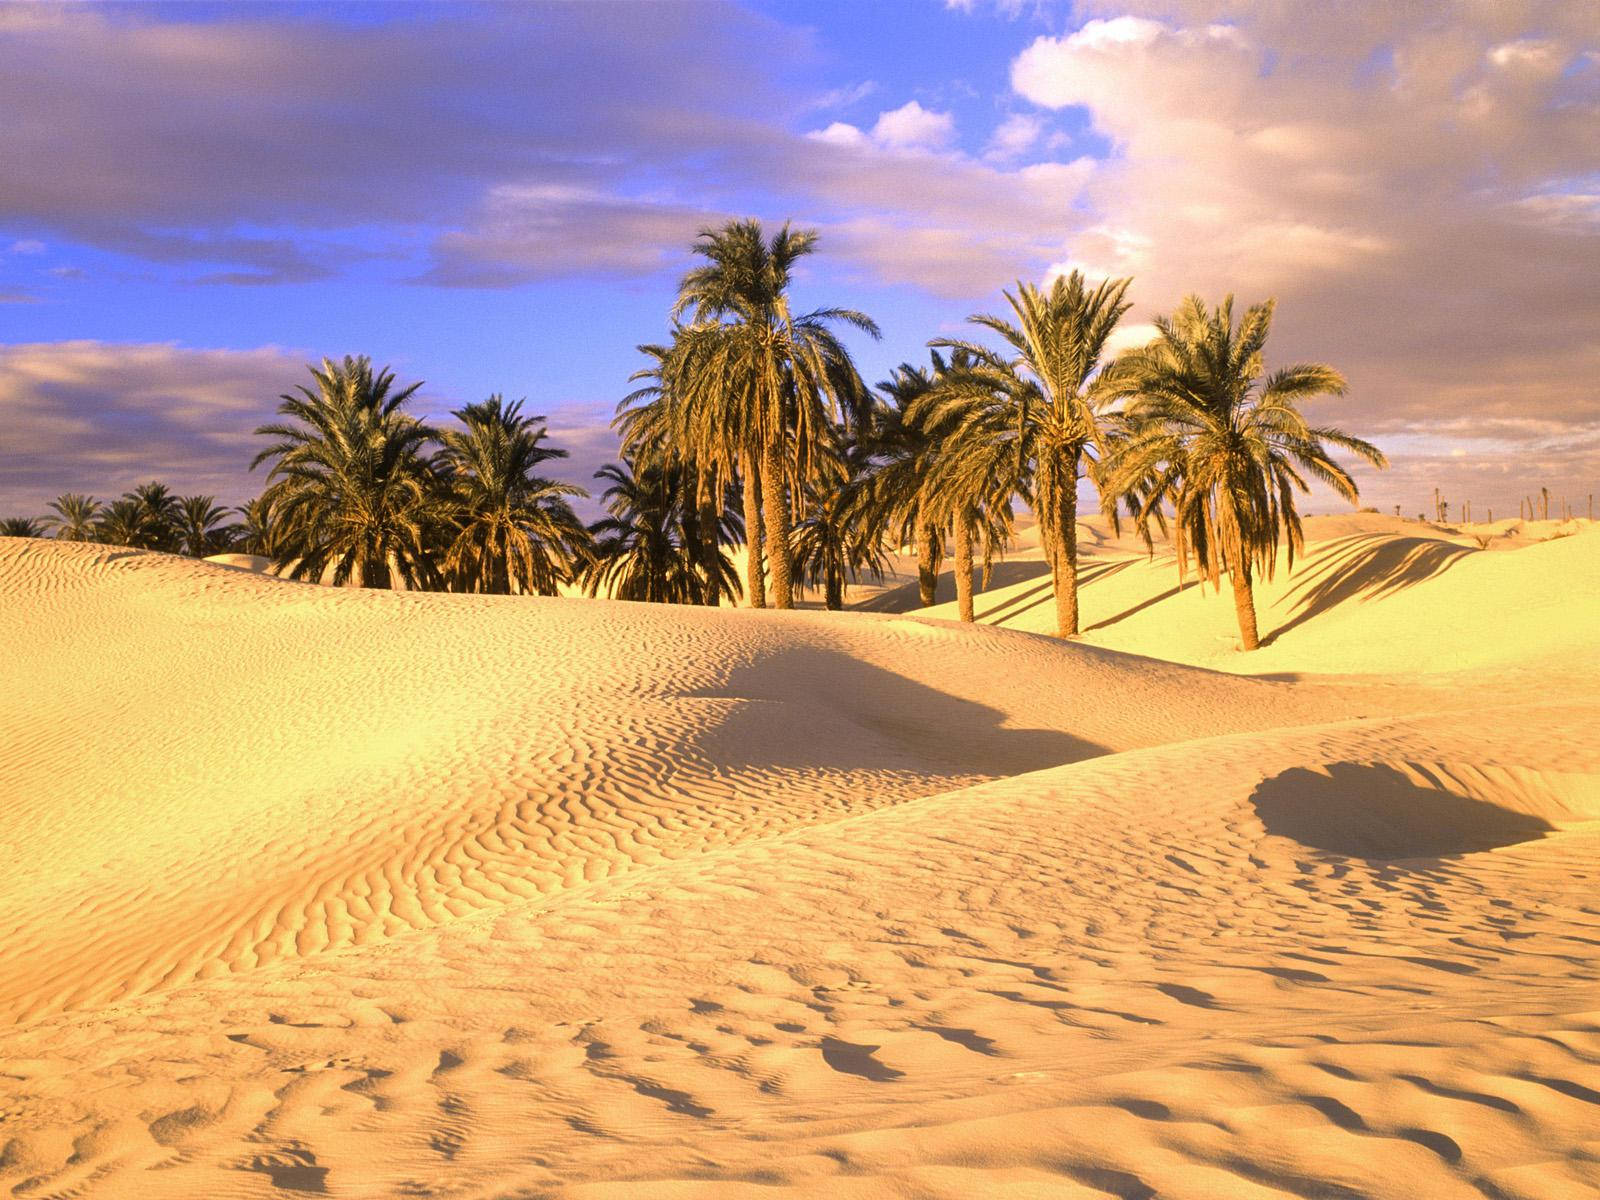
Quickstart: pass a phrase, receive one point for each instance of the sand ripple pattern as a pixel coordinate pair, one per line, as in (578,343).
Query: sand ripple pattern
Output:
(606,902)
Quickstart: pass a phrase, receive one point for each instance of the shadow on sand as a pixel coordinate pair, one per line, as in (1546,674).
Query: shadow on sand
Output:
(1373,810)
(814,707)
(1365,567)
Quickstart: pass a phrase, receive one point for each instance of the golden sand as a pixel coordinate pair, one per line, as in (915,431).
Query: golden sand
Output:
(313,890)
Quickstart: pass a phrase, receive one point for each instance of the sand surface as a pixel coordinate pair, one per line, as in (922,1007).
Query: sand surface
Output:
(326,891)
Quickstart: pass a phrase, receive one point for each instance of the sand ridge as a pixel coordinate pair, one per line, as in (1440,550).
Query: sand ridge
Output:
(380,895)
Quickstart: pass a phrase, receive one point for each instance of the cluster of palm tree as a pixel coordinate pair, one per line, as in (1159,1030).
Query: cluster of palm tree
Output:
(754,401)
(360,491)
(151,517)
(753,427)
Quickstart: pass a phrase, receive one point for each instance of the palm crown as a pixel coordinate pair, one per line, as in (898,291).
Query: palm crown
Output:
(349,478)
(1224,445)
(512,528)
(1042,391)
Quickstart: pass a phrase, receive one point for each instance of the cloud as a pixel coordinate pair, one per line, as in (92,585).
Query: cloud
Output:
(1418,194)
(912,127)
(907,128)
(522,234)
(18,297)
(26,246)
(271,148)
(102,417)
(1014,136)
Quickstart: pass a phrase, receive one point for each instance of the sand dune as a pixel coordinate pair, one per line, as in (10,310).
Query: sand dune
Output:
(369,894)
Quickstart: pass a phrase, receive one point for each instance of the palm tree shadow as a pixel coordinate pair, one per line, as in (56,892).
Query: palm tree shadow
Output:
(1364,567)
(906,598)
(819,708)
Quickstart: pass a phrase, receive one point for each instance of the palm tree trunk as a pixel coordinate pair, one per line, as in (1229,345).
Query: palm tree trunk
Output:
(927,565)
(710,550)
(1066,550)
(1245,605)
(835,594)
(964,567)
(775,499)
(755,581)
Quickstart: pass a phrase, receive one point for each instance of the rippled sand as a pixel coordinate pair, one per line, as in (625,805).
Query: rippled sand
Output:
(326,891)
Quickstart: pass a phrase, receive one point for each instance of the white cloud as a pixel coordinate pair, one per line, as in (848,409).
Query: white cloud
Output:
(912,127)
(1014,136)
(27,246)
(840,133)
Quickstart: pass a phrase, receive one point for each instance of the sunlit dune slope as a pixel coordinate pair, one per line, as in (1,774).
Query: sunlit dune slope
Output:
(1370,594)
(206,769)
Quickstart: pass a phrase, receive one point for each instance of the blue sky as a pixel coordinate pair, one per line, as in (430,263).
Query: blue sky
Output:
(500,198)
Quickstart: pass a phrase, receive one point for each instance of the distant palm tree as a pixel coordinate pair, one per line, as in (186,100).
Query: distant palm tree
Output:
(350,482)
(122,523)
(644,550)
(75,517)
(512,529)
(261,531)
(1225,448)
(201,532)
(22,527)
(160,517)
(755,374)
(1044,382)
(835,541)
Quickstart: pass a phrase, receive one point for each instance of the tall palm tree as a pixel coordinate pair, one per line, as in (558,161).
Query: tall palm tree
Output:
(1224,445)
(22,527)
(758,375)
(350,481)
(644,550)
(1045,382)
(75,517)
(201,531)
(835,541)
(513,530)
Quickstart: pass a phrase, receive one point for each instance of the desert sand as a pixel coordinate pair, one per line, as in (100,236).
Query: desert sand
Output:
(366,894)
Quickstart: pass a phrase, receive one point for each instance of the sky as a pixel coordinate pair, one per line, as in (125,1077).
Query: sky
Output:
(197,200)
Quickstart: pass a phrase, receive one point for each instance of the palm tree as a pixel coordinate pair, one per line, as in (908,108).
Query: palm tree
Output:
(122,523)
(350,482)
(645,550)
(261,531)
(1045,386)
(754,375)
(658,429)
(1225,446)
(160,517)
(75,517)
(903,451)
(835,542)
(513,530)
(22,527)
(201,531)
(972,470)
